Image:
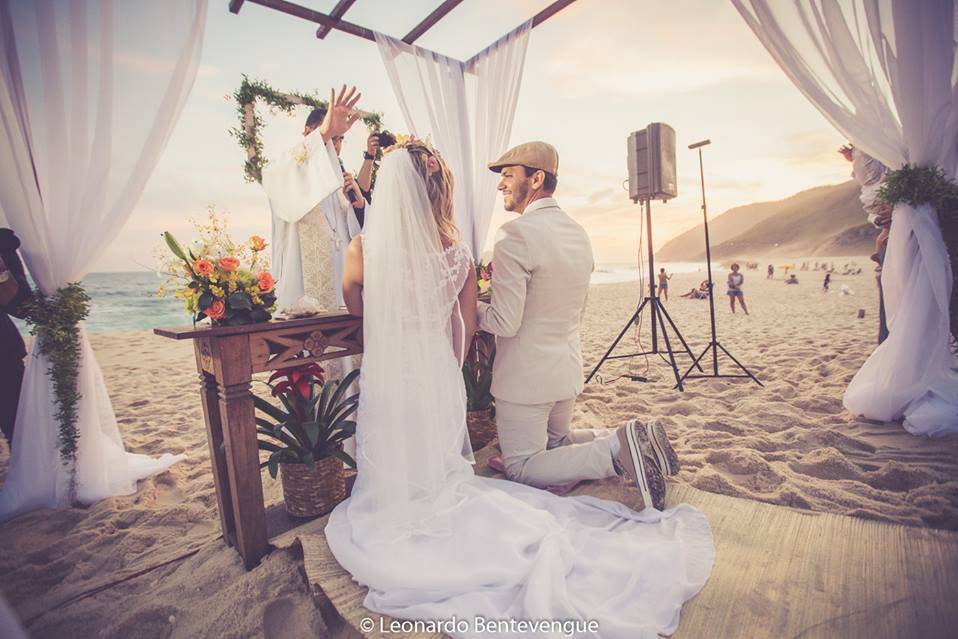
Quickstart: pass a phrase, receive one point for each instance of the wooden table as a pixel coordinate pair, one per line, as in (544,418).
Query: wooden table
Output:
(226,358)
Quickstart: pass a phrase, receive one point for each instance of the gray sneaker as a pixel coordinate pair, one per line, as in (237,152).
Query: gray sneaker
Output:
(640,470)
(654,443)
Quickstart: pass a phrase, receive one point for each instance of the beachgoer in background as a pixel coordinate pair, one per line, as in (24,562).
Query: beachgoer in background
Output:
(735,281)
(827,281)
(14,291)
(792,279)
(664,283)
(700,293)
(771,272)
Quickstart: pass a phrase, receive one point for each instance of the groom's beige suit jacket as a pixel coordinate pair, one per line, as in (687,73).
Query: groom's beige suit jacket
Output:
(542,263)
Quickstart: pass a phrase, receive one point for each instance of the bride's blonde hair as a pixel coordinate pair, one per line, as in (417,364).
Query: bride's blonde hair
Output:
(439,186)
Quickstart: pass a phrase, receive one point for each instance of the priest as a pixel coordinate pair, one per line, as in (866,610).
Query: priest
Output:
(312,201)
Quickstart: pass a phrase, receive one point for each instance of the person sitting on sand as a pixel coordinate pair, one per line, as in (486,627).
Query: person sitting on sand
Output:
(735,281)
(700,293)
(664,283)
(792,279)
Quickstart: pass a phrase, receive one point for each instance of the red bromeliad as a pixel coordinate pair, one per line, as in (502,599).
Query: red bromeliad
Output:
(299,379)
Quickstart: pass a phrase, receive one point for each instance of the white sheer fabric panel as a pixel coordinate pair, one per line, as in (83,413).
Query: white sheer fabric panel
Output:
(431,89)
(89,94)
(883,73)
(499,72)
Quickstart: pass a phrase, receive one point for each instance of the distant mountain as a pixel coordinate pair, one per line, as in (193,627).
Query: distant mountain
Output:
(823,221)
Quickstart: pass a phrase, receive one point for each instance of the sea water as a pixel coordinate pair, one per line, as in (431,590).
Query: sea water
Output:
(128,301)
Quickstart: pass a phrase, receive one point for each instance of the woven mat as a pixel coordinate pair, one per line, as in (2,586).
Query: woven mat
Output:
(779,572)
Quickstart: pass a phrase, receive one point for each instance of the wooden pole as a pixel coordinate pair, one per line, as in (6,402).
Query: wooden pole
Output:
(337,13)
(317,17)
(438,14)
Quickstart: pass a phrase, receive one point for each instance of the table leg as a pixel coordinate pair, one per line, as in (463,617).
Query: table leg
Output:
(233,376)
(209,394)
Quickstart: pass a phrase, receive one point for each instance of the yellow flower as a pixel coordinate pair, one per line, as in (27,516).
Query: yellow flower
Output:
(484,286)
(217,291)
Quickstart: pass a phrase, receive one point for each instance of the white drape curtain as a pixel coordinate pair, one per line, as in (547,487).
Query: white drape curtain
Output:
(883,73)
(469,133)
(89,94)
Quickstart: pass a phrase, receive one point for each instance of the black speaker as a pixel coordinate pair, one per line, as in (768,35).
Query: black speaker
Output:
(651,159)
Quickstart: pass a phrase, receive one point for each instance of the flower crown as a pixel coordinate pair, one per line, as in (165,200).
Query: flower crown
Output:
(408,141)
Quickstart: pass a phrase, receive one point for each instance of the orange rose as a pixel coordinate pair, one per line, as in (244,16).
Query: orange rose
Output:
(229,263)
(203,266)
(216,310)
(257,243)
(266,282)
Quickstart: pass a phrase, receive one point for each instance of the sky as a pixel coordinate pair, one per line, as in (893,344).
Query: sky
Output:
(595,72)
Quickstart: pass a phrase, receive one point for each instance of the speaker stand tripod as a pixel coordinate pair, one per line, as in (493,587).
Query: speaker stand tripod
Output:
(659,317)
(714,345)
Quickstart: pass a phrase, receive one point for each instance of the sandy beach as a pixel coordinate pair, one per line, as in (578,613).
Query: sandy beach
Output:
(152,564)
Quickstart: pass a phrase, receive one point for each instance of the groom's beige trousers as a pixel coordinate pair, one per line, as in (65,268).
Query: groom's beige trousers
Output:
(540,447)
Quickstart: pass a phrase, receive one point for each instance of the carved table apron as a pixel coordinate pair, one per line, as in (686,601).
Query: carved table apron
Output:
(226,359)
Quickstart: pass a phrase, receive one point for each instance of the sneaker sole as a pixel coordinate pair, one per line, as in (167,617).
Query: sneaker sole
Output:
(664,453)
(640,472)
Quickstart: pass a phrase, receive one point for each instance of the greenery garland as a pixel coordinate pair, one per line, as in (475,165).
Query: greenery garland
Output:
(54,321)
(248,134)
(916,185)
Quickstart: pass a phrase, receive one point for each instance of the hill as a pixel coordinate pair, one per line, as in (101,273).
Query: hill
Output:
(823,221)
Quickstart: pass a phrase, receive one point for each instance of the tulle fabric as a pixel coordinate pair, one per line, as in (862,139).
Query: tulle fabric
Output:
(433,541)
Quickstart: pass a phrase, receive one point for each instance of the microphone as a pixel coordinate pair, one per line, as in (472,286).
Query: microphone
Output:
(356,204)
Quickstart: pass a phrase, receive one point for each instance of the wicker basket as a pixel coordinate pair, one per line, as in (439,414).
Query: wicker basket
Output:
(482,427)
(310,493)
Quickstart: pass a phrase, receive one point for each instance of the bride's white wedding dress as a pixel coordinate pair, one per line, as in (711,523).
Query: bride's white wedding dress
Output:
(432,540)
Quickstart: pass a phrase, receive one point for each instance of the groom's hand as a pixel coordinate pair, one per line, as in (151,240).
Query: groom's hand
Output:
(340,114)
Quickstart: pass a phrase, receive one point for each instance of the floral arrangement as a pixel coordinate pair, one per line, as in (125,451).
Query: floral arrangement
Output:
(250,123)
(54,321)
(216,278)
(313,422)
(928,185)
(484,278)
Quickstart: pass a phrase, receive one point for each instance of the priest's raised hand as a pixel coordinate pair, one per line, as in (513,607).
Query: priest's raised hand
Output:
(340,114)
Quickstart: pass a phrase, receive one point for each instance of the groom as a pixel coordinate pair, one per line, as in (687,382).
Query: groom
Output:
(543,264)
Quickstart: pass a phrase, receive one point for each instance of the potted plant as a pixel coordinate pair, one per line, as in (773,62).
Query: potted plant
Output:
(306,436)
(480,404)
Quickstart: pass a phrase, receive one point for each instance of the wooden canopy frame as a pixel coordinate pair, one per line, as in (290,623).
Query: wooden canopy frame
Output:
(334,19)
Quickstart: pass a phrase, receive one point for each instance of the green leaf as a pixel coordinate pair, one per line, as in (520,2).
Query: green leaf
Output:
(312,432)
(205,301)
(322,408)
(174,246)
(342,388)
(268,446)
(265,424)
(342,456)
(240,301)
(346,409)
(270,409)
(273,463)
(287,439)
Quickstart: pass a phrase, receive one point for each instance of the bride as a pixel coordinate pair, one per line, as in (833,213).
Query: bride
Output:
(430,539)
